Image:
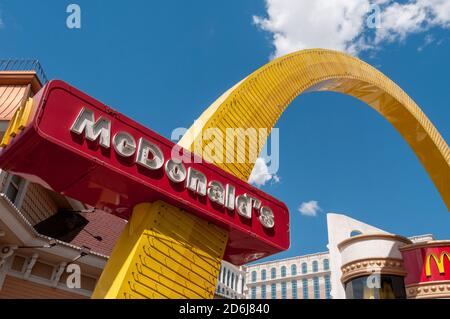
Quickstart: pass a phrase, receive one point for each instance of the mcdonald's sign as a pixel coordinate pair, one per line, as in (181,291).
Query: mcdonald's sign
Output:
(438,261)
(427,262)
(96,155)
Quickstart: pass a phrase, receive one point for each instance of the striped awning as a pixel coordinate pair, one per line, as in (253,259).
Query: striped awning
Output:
(11,97)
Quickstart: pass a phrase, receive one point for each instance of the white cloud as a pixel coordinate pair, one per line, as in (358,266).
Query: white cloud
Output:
(310,208)
(260,174)
(344,24)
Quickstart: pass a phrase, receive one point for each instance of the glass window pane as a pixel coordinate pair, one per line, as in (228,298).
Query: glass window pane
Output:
(315,266)
(326,264)
(11,192)
(305,289)
(253,296)
(327,287)
(283,271)
(304,268)
(316,288)
(293,270)
(273,289)
(273,273)
(294,289)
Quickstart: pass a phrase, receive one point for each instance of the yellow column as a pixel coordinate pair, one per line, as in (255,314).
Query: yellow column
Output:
(164,252)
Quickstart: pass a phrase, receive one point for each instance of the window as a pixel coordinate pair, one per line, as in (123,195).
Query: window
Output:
(304,268)
(253,296)
(228,278)
(263,292)
(253,276)
(64,225)
(293,270)
(294,289)
(355,233)
(316,288)
(273,273)
(263,274)
(326,264)
(315,266)
(283,290)
(305,289)
(283,271)
(389,287)
(273,291)
(327,287)
(15,189)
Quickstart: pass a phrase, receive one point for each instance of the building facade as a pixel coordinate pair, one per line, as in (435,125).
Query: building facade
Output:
(364,262)
(303,277)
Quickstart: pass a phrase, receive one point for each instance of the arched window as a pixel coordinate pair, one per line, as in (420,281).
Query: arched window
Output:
(293,270)
(326,264)
(283,271)
(315,266)
(253,276)
(263,274)
(304,268)
(273,273)
(355,233)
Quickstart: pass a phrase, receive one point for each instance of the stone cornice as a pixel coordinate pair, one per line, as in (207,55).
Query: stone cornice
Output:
(365,267)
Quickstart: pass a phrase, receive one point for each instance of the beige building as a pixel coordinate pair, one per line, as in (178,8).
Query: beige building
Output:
(303,277)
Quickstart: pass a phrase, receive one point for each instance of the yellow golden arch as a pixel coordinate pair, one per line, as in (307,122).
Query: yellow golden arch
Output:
(439,262)
(259,100)
(162,252)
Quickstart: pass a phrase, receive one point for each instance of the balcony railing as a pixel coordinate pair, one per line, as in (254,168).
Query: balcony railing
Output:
(24,65)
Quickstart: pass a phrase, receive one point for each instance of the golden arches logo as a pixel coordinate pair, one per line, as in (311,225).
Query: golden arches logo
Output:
(439,262)
(259,100)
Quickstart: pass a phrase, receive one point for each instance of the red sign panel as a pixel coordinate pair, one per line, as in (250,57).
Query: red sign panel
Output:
(427,263)
(81,148)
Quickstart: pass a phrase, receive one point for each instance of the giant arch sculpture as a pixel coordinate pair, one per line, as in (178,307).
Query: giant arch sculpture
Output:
(259,100)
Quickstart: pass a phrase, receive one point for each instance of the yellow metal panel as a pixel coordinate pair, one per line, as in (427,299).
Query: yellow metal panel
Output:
(18,122)
(25,114)
(264,95)
(164,252)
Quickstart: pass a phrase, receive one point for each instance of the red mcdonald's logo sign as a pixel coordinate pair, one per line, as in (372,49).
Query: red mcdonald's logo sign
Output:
(426,262)
(438,261)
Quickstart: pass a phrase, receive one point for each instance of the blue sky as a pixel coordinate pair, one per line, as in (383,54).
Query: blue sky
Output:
(163,62)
